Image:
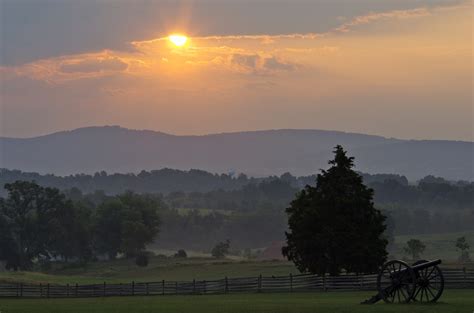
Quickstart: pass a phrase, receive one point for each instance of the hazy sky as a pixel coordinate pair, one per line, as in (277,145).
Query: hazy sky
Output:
(390,67)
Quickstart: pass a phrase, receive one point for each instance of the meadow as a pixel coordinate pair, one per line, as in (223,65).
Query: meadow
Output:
(201,266)
(453,301)
(122,270)
(438,246)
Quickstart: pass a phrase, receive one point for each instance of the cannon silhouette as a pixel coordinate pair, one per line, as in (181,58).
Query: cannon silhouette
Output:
(398,282)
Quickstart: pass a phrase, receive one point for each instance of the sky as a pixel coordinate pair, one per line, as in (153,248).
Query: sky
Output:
(394,68)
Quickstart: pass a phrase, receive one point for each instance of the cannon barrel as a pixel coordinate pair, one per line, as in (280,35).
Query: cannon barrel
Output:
(425,265)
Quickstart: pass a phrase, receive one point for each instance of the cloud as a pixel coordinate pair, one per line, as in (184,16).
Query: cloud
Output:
(365,19)
(107,64)
(72,67)
(251,54)
(272,63)
(374,17)
(259,64)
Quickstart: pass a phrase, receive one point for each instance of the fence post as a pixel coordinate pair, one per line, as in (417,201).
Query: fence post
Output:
(21,289)
(176,286)
(260,283)
(67,290)
(77,287)
(48,291)
(120,289)
(104,291)
(163,287)
(226,285)
(147,289)
(324,282)
(41,290)
(204,287)
(17,290)
(133,288)
(194,286)
(465,276)
(291,282)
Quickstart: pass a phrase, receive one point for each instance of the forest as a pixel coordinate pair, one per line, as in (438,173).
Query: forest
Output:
(197,209)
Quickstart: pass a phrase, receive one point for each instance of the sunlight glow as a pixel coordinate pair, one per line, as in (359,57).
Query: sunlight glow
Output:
(178,40)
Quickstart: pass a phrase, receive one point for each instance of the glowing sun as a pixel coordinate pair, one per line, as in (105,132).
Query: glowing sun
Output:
(178,40)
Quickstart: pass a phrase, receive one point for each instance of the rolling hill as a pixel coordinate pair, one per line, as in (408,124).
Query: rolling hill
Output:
(257,153)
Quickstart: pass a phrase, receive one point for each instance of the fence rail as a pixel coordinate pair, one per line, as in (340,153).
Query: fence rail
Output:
(454,279)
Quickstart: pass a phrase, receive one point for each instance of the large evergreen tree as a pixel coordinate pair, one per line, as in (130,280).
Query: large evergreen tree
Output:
(334,225)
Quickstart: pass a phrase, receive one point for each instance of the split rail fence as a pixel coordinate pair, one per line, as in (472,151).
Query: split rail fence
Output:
(454,279)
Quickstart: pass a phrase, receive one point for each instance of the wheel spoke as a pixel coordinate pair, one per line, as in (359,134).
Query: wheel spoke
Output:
(393,295)
(429,289)
(417,291)
(429,275)
(433,286)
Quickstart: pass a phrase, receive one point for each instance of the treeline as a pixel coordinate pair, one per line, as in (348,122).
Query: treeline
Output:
(39,224)
(165,181)
(253,216)
(157,181)
(261,221)
(196,212)
(390,189)
(428,194)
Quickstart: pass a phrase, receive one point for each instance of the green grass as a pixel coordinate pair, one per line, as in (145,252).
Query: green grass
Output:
(203,211)
(158,269)
(201,268)
(461,301)
(438,246)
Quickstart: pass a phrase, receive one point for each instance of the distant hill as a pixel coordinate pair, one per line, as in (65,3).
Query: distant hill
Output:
(257,153)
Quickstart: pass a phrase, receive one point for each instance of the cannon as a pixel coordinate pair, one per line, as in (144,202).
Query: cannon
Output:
(398,282)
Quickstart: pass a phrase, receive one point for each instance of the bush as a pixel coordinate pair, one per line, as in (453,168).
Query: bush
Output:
(221,249)
(181,254)
(142,259)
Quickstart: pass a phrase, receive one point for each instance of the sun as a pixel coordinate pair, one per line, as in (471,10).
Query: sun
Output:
(178,40)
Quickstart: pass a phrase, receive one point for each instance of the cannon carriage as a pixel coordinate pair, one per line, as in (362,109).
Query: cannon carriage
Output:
(398,282)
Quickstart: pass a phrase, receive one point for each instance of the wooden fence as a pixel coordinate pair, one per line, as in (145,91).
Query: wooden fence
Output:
(454,279)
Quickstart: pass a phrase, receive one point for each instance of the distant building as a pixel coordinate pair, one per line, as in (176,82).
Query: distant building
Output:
(273,252)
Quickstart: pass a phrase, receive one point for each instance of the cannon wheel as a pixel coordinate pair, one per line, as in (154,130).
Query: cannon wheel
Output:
(429,283)
(396,282)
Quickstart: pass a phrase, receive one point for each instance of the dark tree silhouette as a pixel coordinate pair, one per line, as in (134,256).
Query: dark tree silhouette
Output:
(31,218)
(463,246)
(221,249)
(127,224)
(414,248)
(334,226)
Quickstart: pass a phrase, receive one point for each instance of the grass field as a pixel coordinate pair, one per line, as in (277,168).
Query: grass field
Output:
(201,268)
(438,246)
(461,301)
(169,269)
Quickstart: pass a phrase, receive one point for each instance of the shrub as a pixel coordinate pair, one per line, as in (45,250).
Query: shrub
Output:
(181,254)
(221,249)
(142,259)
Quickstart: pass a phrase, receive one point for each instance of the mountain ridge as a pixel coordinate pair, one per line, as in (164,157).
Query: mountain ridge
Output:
(257,153)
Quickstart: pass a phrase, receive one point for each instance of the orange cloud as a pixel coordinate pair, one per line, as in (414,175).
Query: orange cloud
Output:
(259,64)
(373,17)
(107,64)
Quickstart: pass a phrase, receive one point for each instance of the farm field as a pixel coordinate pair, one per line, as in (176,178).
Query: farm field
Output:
(200,268)
(438,246)
(453,301)
(169,269)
